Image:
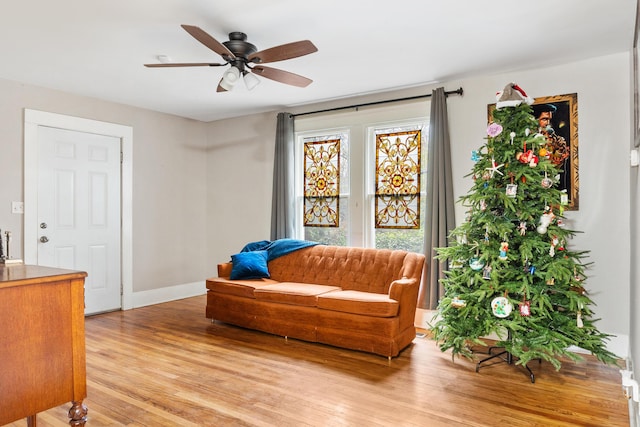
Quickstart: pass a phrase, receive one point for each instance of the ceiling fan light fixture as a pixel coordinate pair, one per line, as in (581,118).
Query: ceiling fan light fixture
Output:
(230,78)
(250,80)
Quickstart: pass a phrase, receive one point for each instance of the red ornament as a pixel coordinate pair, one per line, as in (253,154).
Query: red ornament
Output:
(525,309)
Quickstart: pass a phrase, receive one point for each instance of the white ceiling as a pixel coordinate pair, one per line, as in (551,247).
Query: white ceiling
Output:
(96,48)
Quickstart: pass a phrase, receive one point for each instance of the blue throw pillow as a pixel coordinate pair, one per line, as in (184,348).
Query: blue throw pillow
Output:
(249,265)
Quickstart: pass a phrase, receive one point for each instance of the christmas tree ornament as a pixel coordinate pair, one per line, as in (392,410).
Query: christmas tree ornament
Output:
(525,308)
(522,228)
(494,129)
(458,303)
(475,155)
(494,168)
(511,96)
(486,272)
(576,276)
(543,153)
(578,290)
(501,307)
(551,282)
(546,181)
(579,322)
(545,221)
(564,198)
(504,247)
(476,264)
(512,135)
(527,157)
(527,132)
(511,189)
(554,243)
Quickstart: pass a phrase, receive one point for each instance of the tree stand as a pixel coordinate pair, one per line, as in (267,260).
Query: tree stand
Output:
(504,356)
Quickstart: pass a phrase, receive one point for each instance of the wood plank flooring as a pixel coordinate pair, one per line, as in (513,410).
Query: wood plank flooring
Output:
(167,365)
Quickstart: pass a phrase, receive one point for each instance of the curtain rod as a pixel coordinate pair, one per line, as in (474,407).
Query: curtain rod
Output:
(447,93)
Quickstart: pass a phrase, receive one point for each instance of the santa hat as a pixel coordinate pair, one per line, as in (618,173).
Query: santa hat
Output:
(511,96)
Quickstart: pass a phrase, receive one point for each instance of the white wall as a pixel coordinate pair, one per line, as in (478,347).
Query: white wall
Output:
(603,89)
(634,256)
(169,180)
(239,181)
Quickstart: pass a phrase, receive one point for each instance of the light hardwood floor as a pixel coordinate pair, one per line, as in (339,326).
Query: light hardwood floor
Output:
(167,365)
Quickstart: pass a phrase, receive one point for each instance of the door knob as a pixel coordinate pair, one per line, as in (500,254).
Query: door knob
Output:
(44,239)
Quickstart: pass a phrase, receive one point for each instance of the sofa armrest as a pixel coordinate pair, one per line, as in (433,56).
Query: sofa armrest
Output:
(224,270)
(405,291)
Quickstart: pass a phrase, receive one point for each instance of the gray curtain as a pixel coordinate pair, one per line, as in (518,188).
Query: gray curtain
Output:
(439,214)
(282,202)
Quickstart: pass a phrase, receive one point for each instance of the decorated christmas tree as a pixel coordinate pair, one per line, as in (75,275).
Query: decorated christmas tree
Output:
(511,271)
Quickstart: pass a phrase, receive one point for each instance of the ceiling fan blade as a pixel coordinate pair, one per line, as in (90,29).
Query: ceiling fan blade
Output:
(204,38)
(282,52)
(281,76)
(185,64)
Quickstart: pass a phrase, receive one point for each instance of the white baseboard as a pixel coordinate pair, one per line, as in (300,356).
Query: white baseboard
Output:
(618,344)
(169,293)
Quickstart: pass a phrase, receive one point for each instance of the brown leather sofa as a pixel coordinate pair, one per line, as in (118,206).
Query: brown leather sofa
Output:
(356,298)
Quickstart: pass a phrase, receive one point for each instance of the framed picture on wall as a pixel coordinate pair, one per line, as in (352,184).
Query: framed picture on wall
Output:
(557,118)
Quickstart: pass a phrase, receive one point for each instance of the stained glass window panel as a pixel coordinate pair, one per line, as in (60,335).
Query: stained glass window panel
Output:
(397,191)
(322,183)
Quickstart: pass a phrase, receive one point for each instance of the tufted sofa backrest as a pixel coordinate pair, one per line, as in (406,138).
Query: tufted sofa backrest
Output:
(360,269)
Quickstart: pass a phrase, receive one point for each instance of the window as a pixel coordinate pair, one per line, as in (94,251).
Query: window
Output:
(380,181)
(315,208)
(399,165)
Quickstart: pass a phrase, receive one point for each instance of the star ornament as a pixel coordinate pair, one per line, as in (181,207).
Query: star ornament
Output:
(494,167)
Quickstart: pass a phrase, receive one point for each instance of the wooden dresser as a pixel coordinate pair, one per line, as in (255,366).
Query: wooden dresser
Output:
(42,343)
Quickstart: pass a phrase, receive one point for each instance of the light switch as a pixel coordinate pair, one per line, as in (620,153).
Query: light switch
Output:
(17,207)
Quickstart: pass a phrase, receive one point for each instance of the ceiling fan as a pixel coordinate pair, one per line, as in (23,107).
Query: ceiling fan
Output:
(246,61)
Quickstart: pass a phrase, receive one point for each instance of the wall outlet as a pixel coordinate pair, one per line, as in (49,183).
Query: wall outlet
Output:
(17,207)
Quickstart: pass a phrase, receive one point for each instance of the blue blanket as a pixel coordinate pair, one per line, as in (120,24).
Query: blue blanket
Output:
(277,248)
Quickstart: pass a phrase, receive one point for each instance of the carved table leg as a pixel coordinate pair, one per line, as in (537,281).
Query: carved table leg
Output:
(78,414)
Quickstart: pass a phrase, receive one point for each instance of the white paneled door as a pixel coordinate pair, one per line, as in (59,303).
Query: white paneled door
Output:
(79,210)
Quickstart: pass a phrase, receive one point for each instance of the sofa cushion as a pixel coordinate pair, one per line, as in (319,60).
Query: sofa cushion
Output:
(240,288)
(249,265)
(293,293)
(356,302)
(358,269)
